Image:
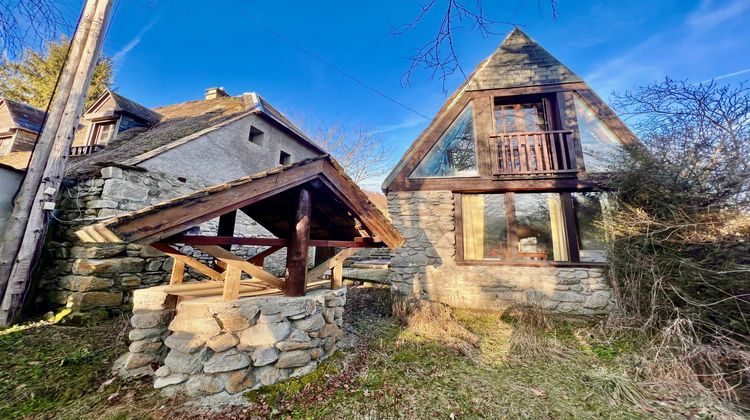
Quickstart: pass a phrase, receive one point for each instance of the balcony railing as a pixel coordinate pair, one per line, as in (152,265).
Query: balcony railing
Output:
(85,150)
(534,153)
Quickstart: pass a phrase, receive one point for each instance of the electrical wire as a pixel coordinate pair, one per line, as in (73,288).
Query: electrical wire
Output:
(330,65)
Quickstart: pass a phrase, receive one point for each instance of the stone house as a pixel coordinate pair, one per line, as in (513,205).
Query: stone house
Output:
(126,157)
(497,198)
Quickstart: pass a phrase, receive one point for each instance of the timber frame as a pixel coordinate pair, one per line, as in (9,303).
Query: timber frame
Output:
(312,203)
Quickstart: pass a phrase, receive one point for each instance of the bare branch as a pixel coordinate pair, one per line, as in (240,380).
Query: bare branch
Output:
(28,24)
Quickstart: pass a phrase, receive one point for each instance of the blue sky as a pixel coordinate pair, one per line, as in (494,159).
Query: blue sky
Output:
(170,51)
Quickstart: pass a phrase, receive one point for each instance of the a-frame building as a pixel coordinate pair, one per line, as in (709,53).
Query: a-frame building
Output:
(496,198)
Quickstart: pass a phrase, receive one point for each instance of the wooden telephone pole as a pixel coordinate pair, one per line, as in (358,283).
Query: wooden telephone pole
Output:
(27,226)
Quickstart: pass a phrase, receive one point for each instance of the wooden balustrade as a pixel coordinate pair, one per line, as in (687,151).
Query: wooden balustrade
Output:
(534,153)
(85,150)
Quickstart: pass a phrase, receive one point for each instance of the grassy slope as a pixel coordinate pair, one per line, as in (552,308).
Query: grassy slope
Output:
(54,371)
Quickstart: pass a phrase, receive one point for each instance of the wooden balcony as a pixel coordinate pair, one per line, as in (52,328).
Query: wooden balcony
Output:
(84,150)
(534,154)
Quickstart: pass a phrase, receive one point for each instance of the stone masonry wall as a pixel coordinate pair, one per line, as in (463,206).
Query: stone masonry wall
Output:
(425,267)
(89,276)
(217,347)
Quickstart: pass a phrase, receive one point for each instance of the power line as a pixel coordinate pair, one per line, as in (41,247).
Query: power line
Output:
(332,66)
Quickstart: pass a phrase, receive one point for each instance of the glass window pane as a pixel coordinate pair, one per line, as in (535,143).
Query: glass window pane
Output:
(455,152)
(600,145)
(485,231)
(588,211)
(520,118)
(540,227)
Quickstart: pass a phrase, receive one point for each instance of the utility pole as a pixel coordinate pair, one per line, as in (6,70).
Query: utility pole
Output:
(27,226)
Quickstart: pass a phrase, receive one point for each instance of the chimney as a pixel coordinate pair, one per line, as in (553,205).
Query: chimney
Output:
(216,92)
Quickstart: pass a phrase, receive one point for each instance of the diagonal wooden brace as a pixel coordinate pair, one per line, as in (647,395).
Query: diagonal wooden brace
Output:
(251,269)
(331,263)
(189,261)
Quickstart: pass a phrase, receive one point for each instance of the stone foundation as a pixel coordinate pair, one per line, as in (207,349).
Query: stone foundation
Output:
(203,348)
(425,267)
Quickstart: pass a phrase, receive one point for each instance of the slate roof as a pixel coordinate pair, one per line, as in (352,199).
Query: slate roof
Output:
(178,124)
(518,62)
(25,116)
(124,104)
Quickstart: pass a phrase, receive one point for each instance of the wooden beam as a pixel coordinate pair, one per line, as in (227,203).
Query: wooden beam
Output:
(259,259)
(246,266)
(332,262)
(278,242)
(232,277)
(178,272)
(225,240)
(189,261)
(337,276)
(297,250)
(226,226)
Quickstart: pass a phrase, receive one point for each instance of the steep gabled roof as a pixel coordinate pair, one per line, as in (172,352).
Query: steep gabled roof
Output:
(519,61)
(340,209)
(181,123)
(24,116)
(124,104)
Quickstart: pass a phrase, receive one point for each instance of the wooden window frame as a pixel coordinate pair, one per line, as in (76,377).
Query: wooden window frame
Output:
(512,228)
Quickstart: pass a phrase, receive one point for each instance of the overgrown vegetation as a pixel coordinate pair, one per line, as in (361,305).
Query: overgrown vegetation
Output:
(680,251)
(523,364)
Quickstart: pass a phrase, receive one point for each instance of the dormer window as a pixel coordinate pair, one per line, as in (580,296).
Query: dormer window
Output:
(256,136)
(284,158)
(102,133)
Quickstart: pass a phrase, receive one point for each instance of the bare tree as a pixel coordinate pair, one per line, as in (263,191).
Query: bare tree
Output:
(360,151)
(438,55)
(28,23)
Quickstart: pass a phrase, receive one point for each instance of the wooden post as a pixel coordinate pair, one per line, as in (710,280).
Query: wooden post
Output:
(232,277)
(27,225)
(225,228)
(337,276)
(296,254)
(178,272)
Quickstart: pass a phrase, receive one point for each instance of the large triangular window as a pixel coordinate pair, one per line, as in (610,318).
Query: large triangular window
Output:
(455,153)
(600,145)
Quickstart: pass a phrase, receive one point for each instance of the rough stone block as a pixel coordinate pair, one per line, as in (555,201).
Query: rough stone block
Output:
(148,345)
(597,300)
(111,172)
(97,251)
(226,361)
(264,356)
(120,189)
(330,330)
(265,334)
(152,299)
(140,334)
(136,360)
(294,345)
(150,319)
(268,375)
(84,283)
(186,363)
(240,381)
(203,326)
(175,379)
(84,266)
(82,301)
(311,323)
(290,359)
(185,342)
(222,342)
(205,384)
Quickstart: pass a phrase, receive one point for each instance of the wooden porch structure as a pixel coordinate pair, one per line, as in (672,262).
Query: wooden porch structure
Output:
(312,203)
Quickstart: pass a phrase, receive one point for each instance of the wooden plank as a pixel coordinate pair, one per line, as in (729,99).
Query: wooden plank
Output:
(570,226)
(178,272)
(232,276)
(297,250)
(458,222)
(226,240)
(246,266)
(336,259)
(220,292)
(189,261)
(337,276)
(201,285)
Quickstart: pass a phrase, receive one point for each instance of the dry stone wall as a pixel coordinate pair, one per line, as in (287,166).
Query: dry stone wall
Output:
(90,276)
(208,348)
(425,268)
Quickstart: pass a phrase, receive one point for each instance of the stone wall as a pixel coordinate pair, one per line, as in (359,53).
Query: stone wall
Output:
(228,347)
(425,267)
(89,276)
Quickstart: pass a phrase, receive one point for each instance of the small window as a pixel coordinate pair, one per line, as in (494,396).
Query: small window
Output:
(454,154)
(285,158)
(103,133)
(256,136)
(520,118)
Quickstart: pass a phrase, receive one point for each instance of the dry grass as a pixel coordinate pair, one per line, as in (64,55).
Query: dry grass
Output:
(435,321)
